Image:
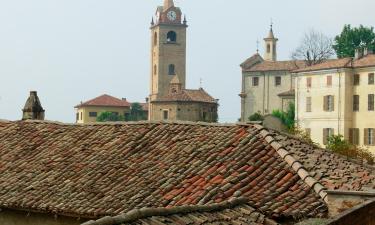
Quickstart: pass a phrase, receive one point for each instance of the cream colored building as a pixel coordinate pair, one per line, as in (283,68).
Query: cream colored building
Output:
(87,112)
(267,84)
(169,98)
(337,97)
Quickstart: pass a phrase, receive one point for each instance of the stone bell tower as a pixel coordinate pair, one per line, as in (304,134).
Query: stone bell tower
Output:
(168,49)
(271,46)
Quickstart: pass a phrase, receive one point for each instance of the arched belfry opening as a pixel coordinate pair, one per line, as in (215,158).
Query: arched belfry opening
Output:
(171,36)
(155,39)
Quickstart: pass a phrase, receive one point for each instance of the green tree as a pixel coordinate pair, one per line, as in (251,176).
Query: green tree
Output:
(136,112)
(287,118)
(109,116)
(351,38)
(256,117)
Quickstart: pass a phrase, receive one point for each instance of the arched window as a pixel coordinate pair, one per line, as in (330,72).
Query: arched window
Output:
(155,39)
(268,48)
(155,69)
(171,36)
(171,69)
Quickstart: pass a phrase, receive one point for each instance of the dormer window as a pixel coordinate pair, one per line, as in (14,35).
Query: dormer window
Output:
(171,36)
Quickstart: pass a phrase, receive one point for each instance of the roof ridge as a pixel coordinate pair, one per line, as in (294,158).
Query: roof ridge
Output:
(296,165)
(137,214)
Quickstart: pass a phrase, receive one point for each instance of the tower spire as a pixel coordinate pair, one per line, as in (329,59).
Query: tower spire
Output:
(168,4)
(271,45)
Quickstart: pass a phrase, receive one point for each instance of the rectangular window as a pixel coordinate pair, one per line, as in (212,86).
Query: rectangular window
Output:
(77,116)
(277,81)
(354,136)
(165,114)
(308,104)
(371,79)
(356,79)
(329,103)
(327,132)
(369,136)
(81,116)
(93,114)
(255,81)
(371,102)
(329,81)
(355,103)
(308,82)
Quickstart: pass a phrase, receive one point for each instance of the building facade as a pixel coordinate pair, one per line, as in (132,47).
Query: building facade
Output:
(88,112)
(337,97)
(267,84)
(169,98)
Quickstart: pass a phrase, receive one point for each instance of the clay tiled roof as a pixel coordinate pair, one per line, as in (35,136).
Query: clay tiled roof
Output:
(277,66)
(105,100)
(235,211)
(99,170)
(368,60)
(329,64)
(187,95)
(335,172)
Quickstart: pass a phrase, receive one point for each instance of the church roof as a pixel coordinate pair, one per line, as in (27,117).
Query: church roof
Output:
(265,66)
(188,95)
(105,100)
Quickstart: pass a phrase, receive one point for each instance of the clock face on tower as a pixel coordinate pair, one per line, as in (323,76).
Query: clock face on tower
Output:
(172,15)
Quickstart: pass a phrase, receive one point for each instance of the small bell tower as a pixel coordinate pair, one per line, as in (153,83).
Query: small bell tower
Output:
(270,46)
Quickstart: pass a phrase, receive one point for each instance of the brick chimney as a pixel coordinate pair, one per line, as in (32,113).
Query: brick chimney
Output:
(33,110)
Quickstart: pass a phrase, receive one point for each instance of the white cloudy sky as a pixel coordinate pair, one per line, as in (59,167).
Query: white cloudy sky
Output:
(74,50)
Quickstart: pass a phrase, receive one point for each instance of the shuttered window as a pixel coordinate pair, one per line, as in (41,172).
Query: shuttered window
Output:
(371,79)
(356,103)
(308,82)
(328,103)
(329,81)
(371,102)
(354,136)
(277,81)
(308,104)
(327,132)
(356,79)
(255,81)
(369,136)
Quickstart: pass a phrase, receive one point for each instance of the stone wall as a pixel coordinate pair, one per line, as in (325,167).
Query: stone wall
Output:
(12,217)
(341,201)
(363,214)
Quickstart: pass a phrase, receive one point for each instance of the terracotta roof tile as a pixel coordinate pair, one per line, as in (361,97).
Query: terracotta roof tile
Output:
(277,66)
(107,169)
(329,64)
(368,60)
(105,100)
(187,95)
(229,212)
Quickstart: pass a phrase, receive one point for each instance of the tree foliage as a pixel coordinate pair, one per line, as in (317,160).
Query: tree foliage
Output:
(109,117)
(352,38)
(136,113)
(256,117)
(287,118)
(338,144)
(314,48)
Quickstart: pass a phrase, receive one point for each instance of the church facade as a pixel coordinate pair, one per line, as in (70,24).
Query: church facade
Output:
(267,84)
(169,98)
